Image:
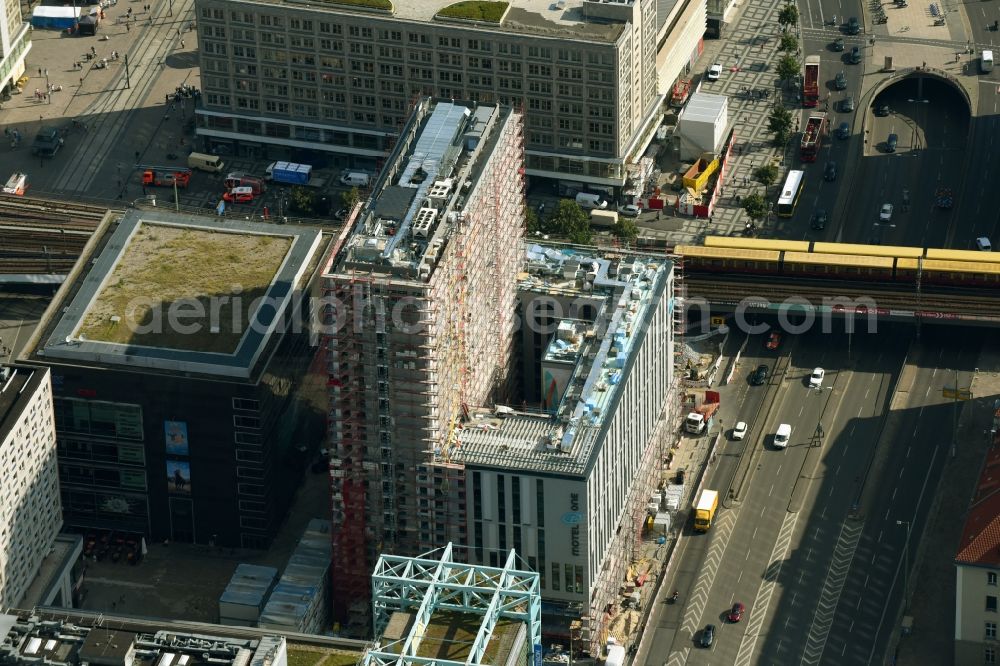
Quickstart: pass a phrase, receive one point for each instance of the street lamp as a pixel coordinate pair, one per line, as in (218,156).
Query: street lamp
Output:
(906,565)
(48,88)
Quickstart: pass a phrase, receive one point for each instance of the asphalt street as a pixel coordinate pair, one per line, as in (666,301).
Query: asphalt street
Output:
(772,549)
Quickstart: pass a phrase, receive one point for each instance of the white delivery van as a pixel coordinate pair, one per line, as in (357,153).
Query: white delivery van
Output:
(203,162)
(782,435)
(986,62)
(355,179)
(587,200)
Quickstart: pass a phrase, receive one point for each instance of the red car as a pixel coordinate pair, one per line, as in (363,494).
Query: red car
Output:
(239,195)
(773,340)
(736,612)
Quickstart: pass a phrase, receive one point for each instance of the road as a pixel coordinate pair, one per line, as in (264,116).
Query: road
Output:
(815,545)
(941,141)
(771,550)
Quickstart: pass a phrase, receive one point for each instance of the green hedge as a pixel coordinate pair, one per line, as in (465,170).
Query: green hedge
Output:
(475,10)
(372,4)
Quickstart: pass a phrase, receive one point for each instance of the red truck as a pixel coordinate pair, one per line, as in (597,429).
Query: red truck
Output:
(166,177)
(812,136)
(810,85)
(703,415)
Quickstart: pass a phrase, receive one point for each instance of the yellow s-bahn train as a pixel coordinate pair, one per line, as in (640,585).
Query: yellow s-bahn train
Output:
(878,263)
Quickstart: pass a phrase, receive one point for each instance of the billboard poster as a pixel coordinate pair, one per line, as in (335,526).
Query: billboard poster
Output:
(176,433)
(179,477)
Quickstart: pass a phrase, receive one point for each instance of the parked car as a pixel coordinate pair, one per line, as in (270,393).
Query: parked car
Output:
(759,376)
(239,195)
(714,72)
(885,213)
(736,612)
(840,81)
(629,210)
(740,430)
(707,636)
(773,340)
(816,378)
(818,221)
(830,171)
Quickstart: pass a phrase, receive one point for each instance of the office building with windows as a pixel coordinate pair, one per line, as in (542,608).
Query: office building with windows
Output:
(180,372)
(977,568)
(15,42)
(30,516)
(568,485)
(341,77)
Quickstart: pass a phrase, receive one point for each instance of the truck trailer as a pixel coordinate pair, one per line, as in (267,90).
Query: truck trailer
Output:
(704,509)
(812,136)
(292,173)
(703,416)
(810,82)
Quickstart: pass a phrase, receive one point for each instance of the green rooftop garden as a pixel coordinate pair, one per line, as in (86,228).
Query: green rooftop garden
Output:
(475,10)
(368,4)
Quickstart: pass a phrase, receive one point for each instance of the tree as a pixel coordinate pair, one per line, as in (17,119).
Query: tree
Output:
(788,16)
(788,67)
(789,43)
(626,229)
(531,221)
(766,174)
(350,198)
(303,200)
(755,206)
(569,220)
(780,122)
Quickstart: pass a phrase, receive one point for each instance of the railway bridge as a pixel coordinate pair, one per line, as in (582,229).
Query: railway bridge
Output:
(808,279)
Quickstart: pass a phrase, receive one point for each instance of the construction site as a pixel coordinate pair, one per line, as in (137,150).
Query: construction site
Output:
(491,393)
(421,285)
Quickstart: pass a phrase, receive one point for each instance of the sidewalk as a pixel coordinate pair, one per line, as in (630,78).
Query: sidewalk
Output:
(932,603)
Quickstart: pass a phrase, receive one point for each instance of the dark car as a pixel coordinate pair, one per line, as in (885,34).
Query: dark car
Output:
(882,110)
(890,143)
(847,104)
(47,142)
(853,26)
(840,82)
(830,172)
(818,221)
(838,44)
(736,612)
(707,636)
(759,375)
(844,130)
(855,55)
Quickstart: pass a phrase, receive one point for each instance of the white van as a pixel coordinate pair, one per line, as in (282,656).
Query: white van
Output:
(203,162)
(781,437)
(986,62)
(587,200)
(355,179)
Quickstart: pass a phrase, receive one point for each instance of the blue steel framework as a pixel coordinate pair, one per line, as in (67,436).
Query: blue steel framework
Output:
(426,585)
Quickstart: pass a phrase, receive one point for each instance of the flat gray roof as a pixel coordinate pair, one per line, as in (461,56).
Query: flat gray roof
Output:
(65,339)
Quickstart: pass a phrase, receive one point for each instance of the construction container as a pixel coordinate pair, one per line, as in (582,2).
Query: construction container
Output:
(248,590)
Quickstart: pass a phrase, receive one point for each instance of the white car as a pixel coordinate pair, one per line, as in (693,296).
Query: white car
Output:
(816,378)
(885,213)
(714,72)
(983,244)
(740,431)
(629,210)
(782,436)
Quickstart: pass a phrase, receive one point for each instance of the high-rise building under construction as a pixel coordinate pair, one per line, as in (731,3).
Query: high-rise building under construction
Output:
(420,300)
